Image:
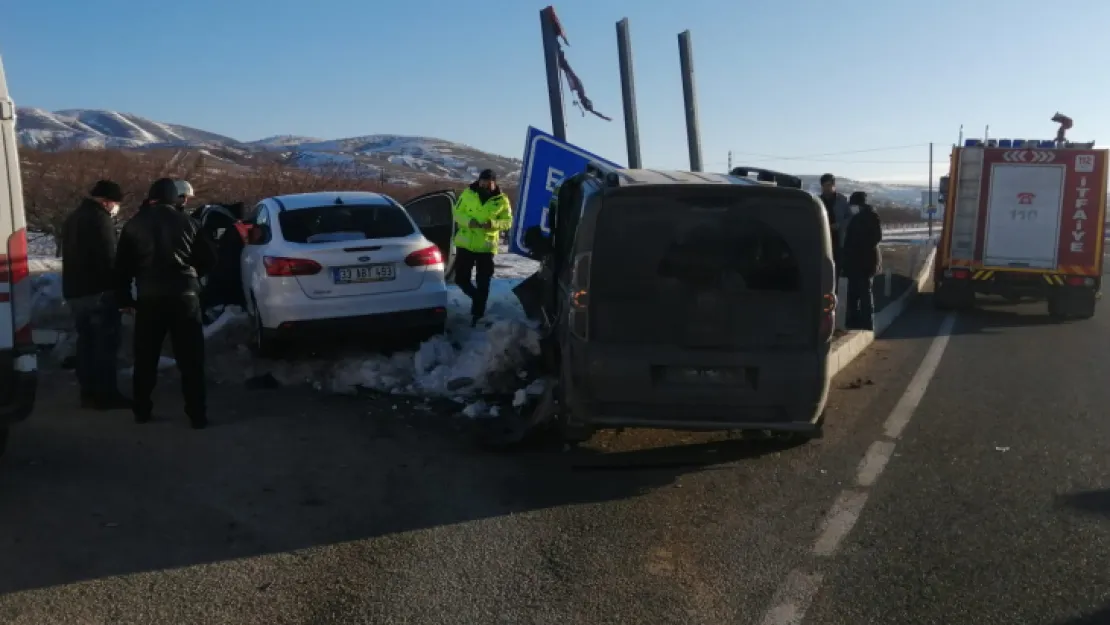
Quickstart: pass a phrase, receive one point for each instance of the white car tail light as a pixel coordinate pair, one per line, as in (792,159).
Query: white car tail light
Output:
(278,266)
(424,257)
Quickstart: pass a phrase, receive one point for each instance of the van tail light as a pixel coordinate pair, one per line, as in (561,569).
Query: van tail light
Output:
(578,315)
(1080,281)
(425,257)
(828,317)
(278,266)
(19,283)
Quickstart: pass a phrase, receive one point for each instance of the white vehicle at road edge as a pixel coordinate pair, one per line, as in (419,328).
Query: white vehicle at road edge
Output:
(18,361)
(346,263)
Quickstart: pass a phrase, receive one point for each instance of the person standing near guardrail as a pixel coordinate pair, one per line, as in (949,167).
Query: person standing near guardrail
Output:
(838,211)
(482,213)
(861,261)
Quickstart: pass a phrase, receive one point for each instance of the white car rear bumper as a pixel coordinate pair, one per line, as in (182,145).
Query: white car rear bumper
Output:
(422,306)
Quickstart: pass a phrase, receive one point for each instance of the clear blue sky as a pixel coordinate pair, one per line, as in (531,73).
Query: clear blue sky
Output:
(790,78)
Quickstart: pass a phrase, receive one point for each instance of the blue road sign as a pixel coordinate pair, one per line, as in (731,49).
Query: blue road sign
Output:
(547,161)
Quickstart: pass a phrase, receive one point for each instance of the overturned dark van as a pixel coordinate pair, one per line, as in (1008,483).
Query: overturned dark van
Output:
(684,300)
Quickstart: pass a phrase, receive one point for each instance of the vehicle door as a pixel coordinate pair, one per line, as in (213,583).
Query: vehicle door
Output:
(18,361)
(434,216)
(250,263)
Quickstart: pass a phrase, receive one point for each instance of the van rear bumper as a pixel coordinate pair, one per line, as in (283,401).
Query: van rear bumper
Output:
(785,390)
(799,419)
(19,379)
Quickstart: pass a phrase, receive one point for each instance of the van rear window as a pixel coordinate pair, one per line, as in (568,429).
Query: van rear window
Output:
(344,222)
(707,243)
(705,273)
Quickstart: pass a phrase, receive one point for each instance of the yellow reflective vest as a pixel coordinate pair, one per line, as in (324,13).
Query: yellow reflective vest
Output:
(496,210)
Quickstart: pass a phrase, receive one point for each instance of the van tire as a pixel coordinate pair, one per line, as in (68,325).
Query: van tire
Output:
(4,435)
(574,433)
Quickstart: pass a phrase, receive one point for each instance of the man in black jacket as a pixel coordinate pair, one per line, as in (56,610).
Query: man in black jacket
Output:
(861,261)
(89,253)
(164,252)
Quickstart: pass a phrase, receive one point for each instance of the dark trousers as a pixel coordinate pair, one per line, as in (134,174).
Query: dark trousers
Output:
(466,262)
(180,317)
(97,319)
(861,303)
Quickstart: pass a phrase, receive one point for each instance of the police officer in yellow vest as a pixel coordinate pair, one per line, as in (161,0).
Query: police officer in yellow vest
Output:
(482,213)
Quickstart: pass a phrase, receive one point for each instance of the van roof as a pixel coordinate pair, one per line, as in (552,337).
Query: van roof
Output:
(633,177)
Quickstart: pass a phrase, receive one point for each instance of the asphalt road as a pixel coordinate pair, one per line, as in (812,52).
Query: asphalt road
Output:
(990,504)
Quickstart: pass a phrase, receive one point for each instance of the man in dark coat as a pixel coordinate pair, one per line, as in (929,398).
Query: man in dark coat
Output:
(163,251)
(836,208)
(861,261)
(89,253)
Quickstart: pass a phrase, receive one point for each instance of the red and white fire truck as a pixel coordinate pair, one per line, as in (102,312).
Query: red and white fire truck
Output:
(1023,219)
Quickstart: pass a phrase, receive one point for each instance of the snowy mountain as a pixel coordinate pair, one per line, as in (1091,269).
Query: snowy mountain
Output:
(401,159)
(906,194)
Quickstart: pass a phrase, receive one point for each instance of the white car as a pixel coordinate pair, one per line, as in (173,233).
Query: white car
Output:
(346,263)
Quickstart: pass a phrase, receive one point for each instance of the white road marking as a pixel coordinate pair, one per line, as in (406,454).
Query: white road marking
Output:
(874,462)
(839,521)
(792,599)
(797,591)
(903,410)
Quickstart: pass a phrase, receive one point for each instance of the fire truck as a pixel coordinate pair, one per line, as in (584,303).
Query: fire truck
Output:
(1023,219)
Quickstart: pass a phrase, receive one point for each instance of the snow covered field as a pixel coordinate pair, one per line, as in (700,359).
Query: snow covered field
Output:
(465,364)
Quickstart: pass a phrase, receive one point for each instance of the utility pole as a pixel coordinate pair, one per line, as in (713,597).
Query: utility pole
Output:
(628,95)
(548,23)
(693,136)
(931,208)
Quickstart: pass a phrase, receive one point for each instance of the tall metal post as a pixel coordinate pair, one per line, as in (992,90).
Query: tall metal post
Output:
(551,63)
(686,60)
(932,210)
(628,95)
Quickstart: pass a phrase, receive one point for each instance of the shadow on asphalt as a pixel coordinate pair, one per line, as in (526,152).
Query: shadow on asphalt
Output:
(989,316)
(86,496)
(1097,503)
(1102,617)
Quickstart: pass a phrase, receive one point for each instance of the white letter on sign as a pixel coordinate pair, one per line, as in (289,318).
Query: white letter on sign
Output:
(554,177)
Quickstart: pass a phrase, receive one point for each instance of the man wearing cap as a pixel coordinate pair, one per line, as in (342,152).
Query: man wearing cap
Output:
(482,213)
(164,252)
(838,211)
(88,285)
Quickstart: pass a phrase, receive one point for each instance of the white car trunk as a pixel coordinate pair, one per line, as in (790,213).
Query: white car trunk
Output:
(366,267)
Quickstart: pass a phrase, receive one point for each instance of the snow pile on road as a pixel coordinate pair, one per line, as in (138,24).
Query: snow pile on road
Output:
(462,362)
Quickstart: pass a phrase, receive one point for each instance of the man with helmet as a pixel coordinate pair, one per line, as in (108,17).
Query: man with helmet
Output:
(184,193)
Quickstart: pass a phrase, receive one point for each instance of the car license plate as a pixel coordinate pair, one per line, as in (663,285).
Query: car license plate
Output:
(705,376)
(364,273)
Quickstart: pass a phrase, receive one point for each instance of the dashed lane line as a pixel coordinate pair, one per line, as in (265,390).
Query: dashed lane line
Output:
(797,591)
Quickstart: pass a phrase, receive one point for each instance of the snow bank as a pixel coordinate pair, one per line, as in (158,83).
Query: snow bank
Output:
(462,362)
